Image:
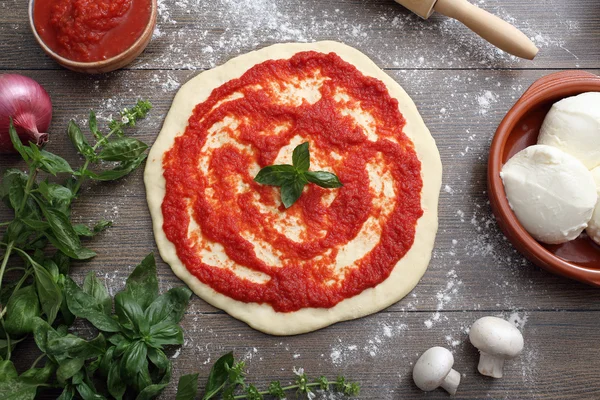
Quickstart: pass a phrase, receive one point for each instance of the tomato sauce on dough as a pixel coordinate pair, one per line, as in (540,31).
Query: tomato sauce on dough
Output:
(90,30)
(210,188)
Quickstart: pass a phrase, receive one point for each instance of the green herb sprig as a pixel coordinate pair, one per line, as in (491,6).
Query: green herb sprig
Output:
(125,360)
(227,377)
(40,297)
(293,178)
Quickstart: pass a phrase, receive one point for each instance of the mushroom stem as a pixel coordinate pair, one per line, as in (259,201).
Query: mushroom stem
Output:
(490,365)
(451,381)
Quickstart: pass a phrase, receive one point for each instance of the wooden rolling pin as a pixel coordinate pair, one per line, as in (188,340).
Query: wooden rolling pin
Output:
(493,29)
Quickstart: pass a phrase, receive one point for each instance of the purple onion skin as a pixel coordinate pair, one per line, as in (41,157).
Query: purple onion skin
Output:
(30,107)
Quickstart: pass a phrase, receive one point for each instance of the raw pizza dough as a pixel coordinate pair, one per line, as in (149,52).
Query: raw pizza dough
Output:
(407,271)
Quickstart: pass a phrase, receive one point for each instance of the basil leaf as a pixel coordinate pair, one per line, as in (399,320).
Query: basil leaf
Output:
(19,233)
(290,192)
(106,361)
(93,125)
(323,179)
(101,226)
(37,225)
(121,347)
(13,344)
(22,309)
(68,368)
(151,391)
(86,306)
(301,157)
(87,393)
(62,261)
(187,387)
(276,175)
(142,284)
(7,371)
(219,374)
(168,335)
(54,193)
(41,332)
(53,164)
(79,140)
(52,268)
(68,393)
(96,289)
(63,235)
(123,169)
(83,230)
(117,339)
(16,142)
(168,307)
(122,149)
(12,177)
(38,375)
(143,378)
(13,387)
(130,313)
(15,188)
(48,291)
(77,378)
(67,315)
(158,358)
(75,347)
(116,386)
(17,390)
(93,366)
(134,360)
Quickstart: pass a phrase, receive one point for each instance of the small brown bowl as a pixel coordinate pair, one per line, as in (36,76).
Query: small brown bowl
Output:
(108,65)
(580,258)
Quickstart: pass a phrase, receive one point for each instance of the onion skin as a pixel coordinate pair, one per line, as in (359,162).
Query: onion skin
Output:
(30,107)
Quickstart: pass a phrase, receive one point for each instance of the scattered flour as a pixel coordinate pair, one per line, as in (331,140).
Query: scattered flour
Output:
(485,101)
(518,319)
(231,27)
(343,353)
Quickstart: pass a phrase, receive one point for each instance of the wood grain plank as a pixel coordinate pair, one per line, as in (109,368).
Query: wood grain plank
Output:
(559,361)
(387,345)
(473,266)
(196,34)
(474,271)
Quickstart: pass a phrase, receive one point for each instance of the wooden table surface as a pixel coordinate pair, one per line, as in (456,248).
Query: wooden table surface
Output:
(462,87)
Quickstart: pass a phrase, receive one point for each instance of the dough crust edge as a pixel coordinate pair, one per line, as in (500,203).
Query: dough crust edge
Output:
(407,272)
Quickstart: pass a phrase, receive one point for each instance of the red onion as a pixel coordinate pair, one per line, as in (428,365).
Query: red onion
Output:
(29,105)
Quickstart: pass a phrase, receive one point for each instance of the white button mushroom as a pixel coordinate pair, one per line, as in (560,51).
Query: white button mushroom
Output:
(497,340)
(434,369)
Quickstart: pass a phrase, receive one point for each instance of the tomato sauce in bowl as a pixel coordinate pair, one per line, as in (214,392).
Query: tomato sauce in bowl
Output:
(91,30)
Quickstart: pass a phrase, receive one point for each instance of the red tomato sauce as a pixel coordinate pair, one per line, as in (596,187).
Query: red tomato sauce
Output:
(305,277)
(90,30)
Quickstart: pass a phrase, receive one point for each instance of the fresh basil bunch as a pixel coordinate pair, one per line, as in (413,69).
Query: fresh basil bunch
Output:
(39,243)
(126,359)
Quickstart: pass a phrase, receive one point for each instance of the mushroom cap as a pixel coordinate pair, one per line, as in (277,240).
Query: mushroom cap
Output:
(497,337)
(432,367)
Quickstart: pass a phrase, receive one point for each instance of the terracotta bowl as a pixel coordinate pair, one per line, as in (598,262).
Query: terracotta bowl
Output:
(111,64)
(580,258)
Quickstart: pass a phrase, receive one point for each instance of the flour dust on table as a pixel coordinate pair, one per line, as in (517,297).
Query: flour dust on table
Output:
(260,22)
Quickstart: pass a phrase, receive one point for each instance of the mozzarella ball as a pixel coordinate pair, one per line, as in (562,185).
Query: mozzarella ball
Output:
(551,192)
(573,125)
(593,229)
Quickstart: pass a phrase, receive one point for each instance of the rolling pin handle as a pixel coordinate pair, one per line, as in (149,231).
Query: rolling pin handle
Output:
(493,29)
